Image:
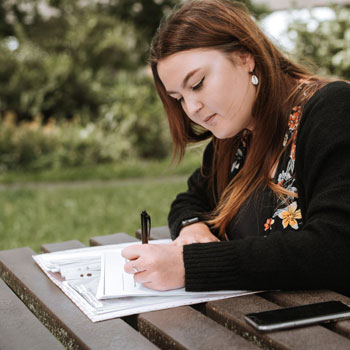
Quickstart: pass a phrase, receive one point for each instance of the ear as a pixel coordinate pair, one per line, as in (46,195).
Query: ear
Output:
(246,59)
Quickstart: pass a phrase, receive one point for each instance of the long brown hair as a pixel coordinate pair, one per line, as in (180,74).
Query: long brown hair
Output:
(228,27)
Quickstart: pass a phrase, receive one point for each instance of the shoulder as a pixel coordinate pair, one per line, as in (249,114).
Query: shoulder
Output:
(327,113)
(337,89)
(333,97)
(323,134)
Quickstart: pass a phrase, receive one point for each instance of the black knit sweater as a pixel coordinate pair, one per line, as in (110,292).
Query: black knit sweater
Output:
(316,255)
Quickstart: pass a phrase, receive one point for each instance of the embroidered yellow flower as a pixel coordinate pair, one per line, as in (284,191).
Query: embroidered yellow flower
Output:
(290,215)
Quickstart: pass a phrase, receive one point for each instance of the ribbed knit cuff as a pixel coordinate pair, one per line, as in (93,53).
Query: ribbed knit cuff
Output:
(210,266)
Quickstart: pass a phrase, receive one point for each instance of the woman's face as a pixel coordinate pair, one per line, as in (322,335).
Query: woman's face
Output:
(214,92)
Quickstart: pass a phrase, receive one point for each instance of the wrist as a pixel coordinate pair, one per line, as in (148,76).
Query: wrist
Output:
(190,221)
(195,227)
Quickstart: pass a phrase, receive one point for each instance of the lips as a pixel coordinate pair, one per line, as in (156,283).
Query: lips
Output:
(209,118)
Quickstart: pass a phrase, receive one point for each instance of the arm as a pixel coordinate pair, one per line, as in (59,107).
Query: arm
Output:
(195,202)
(318,255)
(195,233)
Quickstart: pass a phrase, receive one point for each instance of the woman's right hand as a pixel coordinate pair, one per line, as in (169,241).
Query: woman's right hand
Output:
(195,233)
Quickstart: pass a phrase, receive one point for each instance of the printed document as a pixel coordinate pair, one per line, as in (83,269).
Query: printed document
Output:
(95,280)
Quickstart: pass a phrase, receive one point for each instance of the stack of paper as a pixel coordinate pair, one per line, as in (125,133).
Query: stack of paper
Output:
(94,279)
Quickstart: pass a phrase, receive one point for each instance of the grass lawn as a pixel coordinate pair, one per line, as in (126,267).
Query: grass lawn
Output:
(129,168)
(49,213)
(78,203)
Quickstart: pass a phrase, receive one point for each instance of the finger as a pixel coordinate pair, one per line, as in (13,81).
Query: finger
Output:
(150,285)
(133,266)
(128,267)
(132,252)
(155,286)
(142,277)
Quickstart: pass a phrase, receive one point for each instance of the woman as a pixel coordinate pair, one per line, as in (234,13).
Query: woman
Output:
(270,206)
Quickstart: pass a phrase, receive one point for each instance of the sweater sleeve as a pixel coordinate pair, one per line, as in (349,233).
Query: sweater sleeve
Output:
(196,201)
(317,255)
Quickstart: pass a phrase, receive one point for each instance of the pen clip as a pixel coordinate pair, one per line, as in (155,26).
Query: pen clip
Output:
(145,226)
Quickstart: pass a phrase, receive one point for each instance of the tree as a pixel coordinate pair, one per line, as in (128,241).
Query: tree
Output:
(61,58)
(326,44)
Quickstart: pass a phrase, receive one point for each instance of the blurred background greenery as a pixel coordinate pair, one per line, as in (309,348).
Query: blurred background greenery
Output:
(77,103)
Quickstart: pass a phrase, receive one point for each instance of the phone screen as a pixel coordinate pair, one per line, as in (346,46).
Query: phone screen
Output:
(299,315)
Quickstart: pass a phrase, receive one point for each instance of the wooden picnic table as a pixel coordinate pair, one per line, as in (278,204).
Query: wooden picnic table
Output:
(36,314)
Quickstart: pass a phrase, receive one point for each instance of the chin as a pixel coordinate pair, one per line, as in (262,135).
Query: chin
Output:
(223,135)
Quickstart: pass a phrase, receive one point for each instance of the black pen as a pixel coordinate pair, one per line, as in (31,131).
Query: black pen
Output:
(145,226)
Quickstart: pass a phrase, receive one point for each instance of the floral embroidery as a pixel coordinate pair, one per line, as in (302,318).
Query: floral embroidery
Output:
(294,118)
(240,155)
(293,123)
(293,149)
(238,160)
(287,208)
(290,215)
(269,222)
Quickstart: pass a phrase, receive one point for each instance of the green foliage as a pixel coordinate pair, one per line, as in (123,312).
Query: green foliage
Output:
(79,61)
(67,74)
(32,146)
(326,44)
(132,124)
(136,114)
(70,53)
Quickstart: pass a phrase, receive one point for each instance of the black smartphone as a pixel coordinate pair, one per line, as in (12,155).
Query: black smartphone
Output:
(298,316)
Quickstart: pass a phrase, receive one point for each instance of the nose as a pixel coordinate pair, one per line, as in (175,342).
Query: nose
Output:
(192,106)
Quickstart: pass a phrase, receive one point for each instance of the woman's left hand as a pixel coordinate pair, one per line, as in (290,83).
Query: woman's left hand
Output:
(156,266)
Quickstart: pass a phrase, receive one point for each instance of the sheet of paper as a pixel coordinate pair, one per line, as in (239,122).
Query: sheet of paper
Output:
(116,283)
(80,274)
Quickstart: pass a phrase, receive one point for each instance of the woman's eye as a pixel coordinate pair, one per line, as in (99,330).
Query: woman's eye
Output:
(199,85)
(178,99)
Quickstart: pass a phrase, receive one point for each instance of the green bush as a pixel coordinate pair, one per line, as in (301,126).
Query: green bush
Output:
(136,114)
(79,61)
(31,145)
(132,124)
(63,67)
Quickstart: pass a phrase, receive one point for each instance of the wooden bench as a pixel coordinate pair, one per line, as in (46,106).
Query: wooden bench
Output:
(213,325)
(19,327)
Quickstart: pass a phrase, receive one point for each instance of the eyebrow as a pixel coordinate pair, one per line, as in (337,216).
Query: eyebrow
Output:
(187,77)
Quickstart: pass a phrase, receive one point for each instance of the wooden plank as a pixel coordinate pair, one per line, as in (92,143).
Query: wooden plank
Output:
(55,310)
(295,298)
(160,232)
(111,239)
(55,247)
(182,327)
(185,328)
(230,312)
(19,328)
